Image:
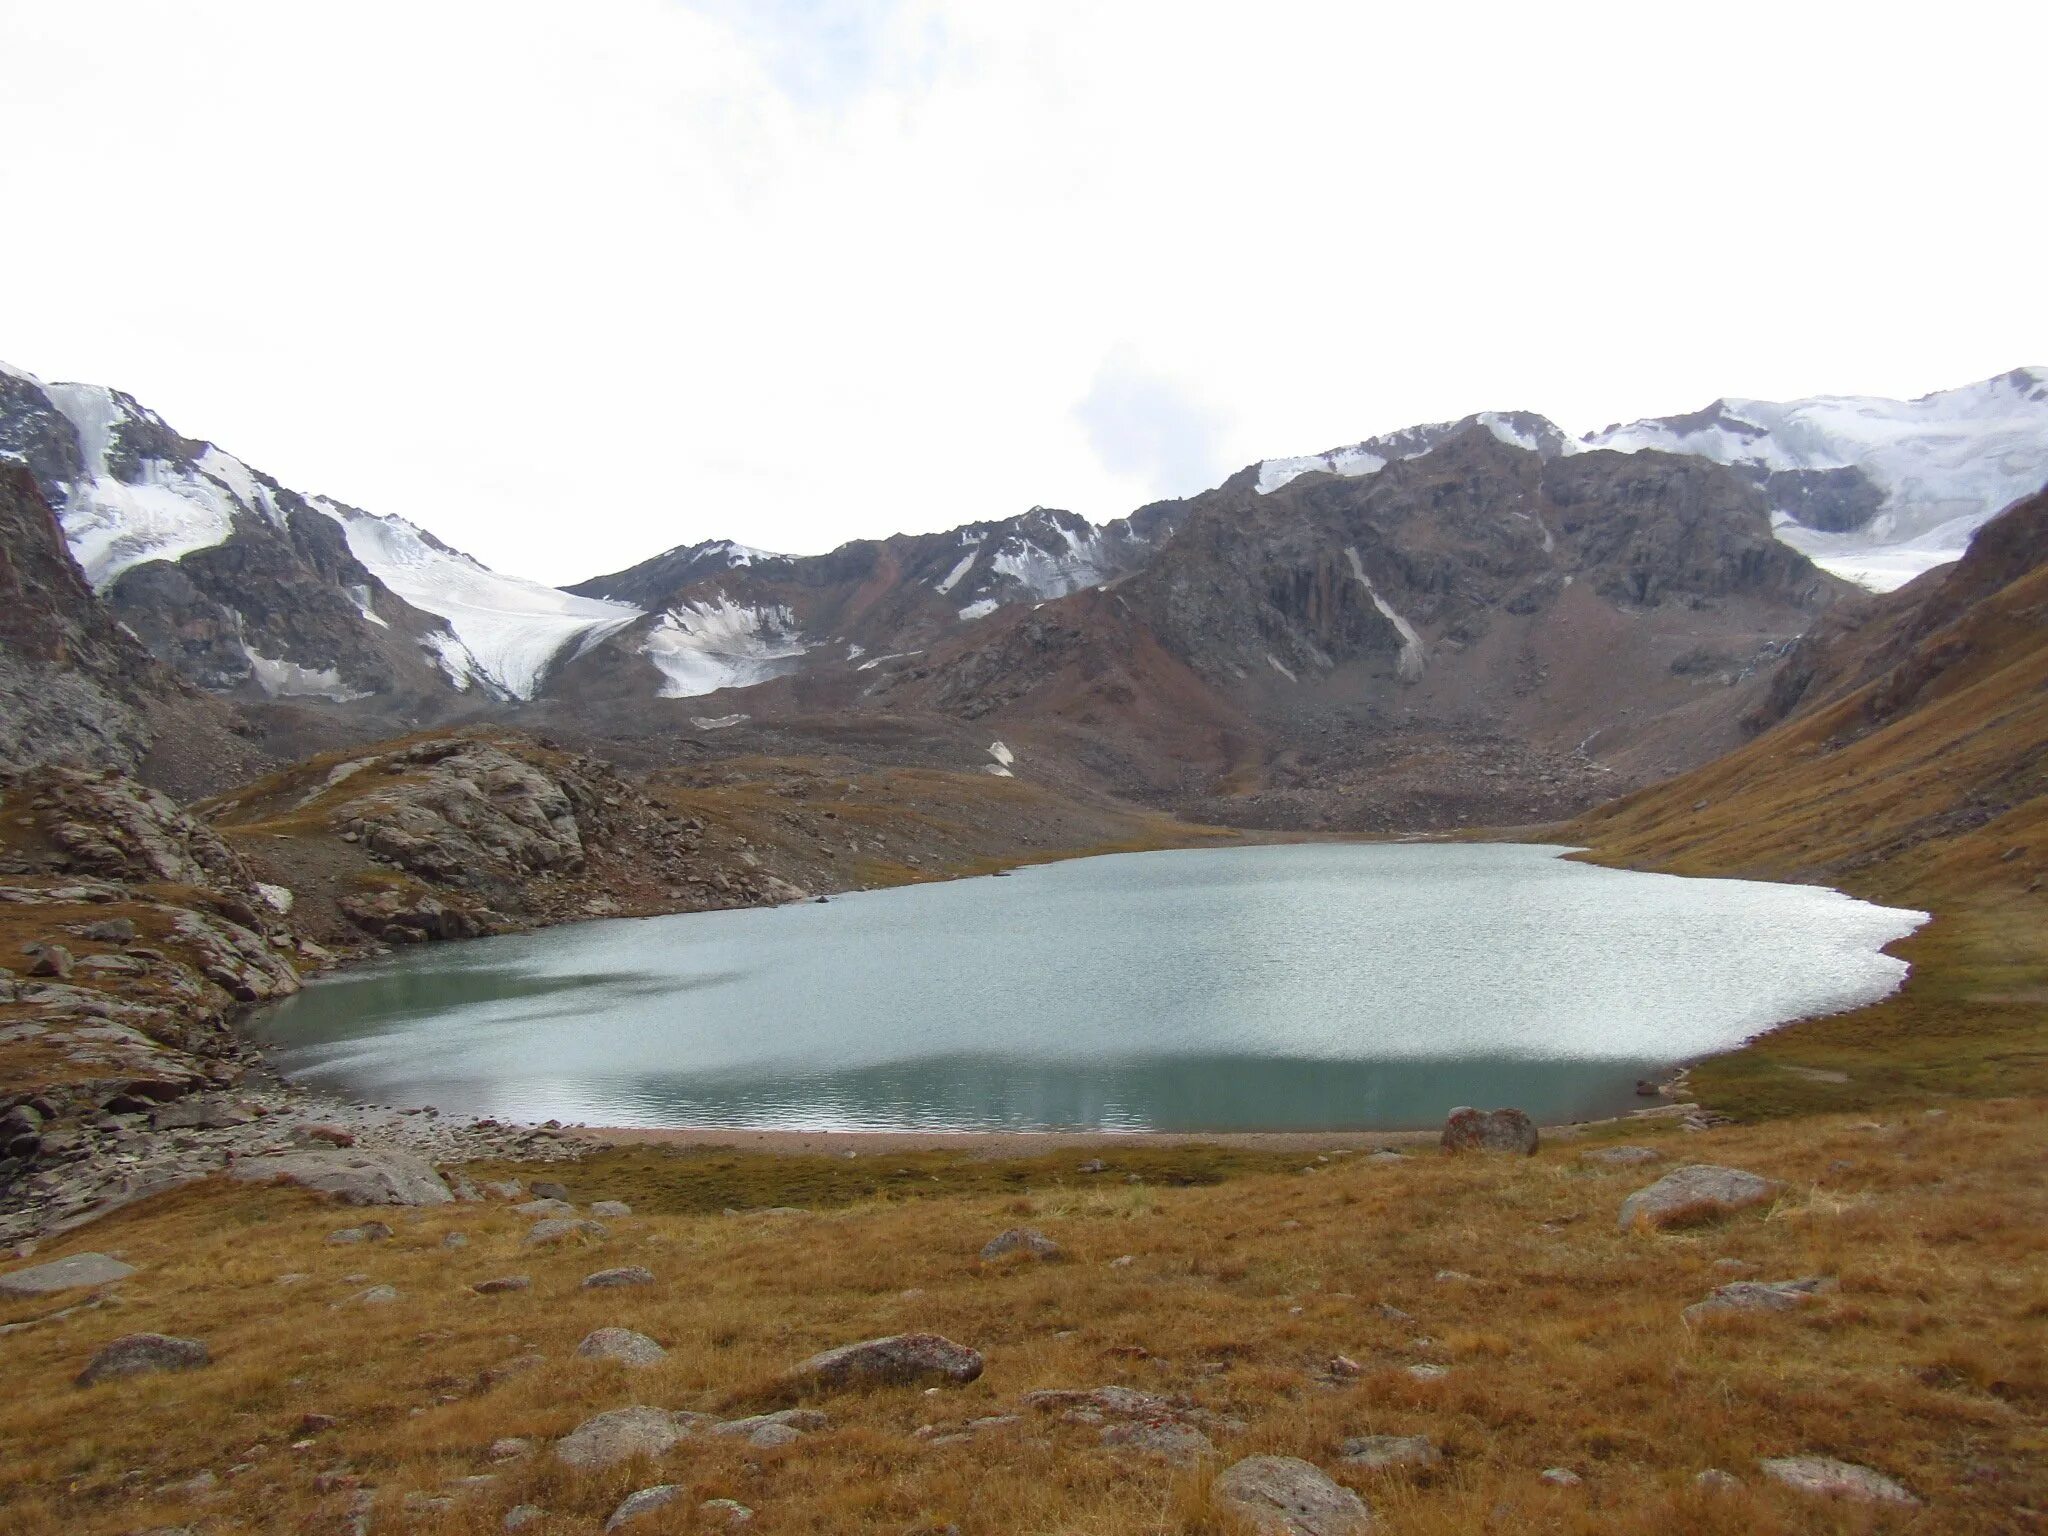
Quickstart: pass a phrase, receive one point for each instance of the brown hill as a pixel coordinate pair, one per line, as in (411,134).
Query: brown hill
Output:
(1914,770)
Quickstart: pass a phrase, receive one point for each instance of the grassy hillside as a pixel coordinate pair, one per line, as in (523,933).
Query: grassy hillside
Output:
(1924,784)
(1559,1337)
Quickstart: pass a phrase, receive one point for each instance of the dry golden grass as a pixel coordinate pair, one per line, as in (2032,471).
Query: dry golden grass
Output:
(1567,1349)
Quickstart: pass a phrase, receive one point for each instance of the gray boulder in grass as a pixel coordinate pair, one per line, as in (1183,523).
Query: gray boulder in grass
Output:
(1284,1496)
(1489,1130)
(1695,1193)
(1832,1479)
(139,1354)
(903,1359)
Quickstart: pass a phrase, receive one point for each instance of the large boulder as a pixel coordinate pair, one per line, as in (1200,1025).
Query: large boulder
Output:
(352,1176)
(607,1439)
(1489,1130)
(622,1345)
(903,1359)
(66,1274)
(1695,1193)
(138,1354)
(1283,1496)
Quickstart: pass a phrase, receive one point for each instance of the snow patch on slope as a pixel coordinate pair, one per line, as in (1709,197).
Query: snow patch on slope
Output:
(1409,666)
(506,631)
(113,526)
(288,680)
(952,577)
(703,647)
(980,608)
(1053,573)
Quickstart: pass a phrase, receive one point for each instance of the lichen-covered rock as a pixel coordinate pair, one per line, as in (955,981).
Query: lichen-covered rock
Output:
(1489,1130)
(904,1359)
(1695,1193)
(1283,1496)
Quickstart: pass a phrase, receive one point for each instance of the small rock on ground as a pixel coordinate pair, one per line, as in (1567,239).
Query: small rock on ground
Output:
(645,1502)
(560,1229)
(1759,1296)
(367,1232)
(730,1511)
(1622,1156)
(520,1516)
(502,1284)
(1376,1452)
(631,1274)
(610,1210)
(622,1345)
(137,1354)
(539,1208)
(1714,1480)
(376,1296)
(1833,1479)
(1283,1496)
(1025,1240)
(1561,1477)
(1181,1444)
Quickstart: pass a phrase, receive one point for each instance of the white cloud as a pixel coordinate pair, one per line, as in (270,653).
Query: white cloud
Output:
(569,284)
(1145,426)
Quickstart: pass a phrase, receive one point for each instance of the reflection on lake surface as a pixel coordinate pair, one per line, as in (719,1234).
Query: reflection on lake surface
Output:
(1298,987)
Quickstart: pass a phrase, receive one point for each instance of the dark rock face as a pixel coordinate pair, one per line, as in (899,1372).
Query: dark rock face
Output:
(72,685)
(1832,500)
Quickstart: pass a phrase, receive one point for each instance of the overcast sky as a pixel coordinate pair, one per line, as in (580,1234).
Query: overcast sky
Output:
(572,283)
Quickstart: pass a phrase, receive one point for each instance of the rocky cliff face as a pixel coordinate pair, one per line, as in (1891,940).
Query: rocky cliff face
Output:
(449,836)
(1479,631)
(71,683)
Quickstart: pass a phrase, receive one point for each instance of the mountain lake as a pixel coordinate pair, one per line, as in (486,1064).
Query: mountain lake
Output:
(1324,986)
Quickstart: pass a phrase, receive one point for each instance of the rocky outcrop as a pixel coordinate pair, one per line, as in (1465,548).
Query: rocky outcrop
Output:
(456,835)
